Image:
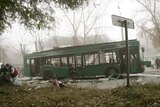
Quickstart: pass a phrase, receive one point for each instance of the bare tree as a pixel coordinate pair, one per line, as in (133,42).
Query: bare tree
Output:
(85,20)
(54,37)
(23,50)
(1,51)
(38,40)
(74,25)
(150,25)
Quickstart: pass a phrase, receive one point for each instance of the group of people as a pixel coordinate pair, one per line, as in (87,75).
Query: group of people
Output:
(8,73)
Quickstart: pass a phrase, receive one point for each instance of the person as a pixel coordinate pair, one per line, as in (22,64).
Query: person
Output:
(4,74)
(13,74)
(57,83)
(157,62)
(152,63)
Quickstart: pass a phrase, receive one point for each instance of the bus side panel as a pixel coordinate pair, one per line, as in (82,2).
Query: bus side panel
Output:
(93,70)
(134,69)
(27,71)
(60,72)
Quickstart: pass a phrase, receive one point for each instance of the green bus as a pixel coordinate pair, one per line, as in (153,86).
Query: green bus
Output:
(91,60)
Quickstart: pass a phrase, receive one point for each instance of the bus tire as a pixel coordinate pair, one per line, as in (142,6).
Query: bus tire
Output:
(110,71)
(49,75)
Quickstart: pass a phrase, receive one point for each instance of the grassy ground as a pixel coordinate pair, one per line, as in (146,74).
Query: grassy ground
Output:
(147,95)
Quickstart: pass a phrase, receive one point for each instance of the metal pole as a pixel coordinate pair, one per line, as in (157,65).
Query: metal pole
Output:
(127,54)
(122,33)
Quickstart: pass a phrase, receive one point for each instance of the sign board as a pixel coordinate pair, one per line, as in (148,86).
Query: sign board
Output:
(126,23)
(119,21)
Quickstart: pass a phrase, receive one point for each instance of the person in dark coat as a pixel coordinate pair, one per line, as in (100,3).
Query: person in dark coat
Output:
(157,62)
(4,74)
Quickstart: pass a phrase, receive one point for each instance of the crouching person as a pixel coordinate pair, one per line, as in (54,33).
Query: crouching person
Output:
(13,74)
(4,74)
(57,83)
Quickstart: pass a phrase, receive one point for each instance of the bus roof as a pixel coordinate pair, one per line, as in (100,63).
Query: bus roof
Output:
(82,49)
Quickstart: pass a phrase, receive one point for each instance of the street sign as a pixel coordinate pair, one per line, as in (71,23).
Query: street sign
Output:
(119,21)
(126,23)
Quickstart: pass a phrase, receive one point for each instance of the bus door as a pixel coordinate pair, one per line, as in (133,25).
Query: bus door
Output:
(122,56)
(133,64)
(35,66)
(134,60)
(71,63)
(32,67)
(27,63)
(79,65)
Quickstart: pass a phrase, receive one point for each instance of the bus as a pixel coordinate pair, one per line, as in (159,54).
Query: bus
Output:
(91,60)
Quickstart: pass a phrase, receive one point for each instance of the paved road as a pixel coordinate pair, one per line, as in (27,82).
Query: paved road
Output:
(150,75)
(152,71)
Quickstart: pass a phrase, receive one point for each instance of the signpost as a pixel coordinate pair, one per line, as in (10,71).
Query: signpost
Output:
(126,23)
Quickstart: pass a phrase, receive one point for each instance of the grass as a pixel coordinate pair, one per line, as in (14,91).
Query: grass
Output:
(134,96)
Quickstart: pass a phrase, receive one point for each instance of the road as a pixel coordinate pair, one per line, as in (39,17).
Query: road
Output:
(150,75)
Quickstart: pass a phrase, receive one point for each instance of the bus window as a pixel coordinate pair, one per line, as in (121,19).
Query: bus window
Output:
(78,61)
(84,60)
(124,59)
(108,57)
(71,61)
(49,61)
(103,56)
(32,67)
(56,62)
(52,61)
(133,58)
(114,57)
(32,61)
(28,62)
(63,61)
(91,59)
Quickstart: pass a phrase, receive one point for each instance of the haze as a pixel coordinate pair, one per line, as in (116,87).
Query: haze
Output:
(102,30)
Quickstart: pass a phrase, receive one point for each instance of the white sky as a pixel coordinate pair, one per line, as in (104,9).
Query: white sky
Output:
(127,9)
(18,35)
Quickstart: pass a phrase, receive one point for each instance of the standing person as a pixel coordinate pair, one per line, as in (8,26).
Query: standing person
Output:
(13,73)
(157,62)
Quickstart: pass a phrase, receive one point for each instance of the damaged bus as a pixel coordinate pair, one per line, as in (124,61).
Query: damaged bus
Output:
(91,60)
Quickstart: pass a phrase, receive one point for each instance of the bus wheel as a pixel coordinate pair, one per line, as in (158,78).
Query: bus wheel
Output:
(49,75)
(111,71)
